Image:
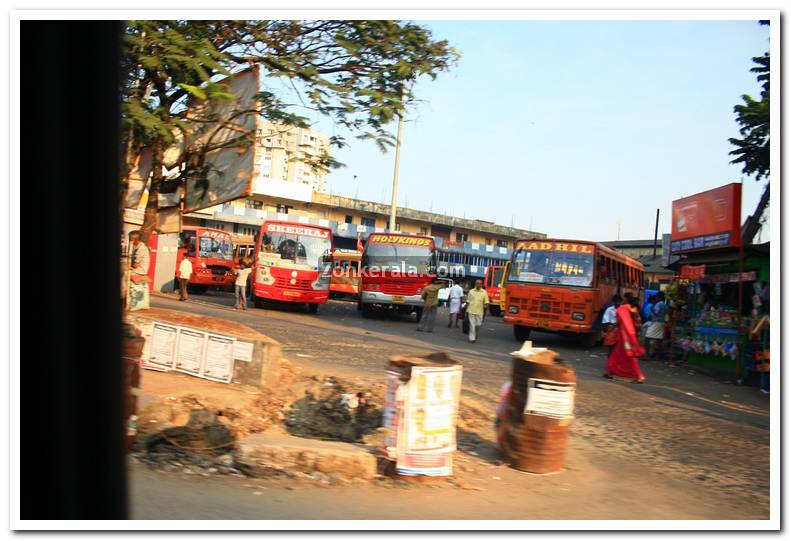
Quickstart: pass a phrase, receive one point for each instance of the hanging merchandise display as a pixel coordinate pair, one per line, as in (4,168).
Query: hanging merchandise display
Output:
(709,331)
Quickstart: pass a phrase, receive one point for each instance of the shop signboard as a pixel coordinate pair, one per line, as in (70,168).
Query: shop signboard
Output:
(707,220)
(693,272)
(732,277)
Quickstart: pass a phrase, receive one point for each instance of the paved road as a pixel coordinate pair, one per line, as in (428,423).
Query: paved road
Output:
(682,437)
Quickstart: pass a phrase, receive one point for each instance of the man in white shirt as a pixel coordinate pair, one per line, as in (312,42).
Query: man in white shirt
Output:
(185,271)
(242,272)
(608,322)
(454,303)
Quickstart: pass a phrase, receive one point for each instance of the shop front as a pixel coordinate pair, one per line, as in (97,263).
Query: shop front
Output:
(720,310)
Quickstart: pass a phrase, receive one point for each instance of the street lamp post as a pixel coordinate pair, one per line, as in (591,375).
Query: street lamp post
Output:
(397,163)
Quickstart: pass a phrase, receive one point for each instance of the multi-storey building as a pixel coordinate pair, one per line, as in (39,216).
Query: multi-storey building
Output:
(282,151)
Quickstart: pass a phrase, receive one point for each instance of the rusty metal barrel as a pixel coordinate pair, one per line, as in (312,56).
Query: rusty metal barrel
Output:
(539,412)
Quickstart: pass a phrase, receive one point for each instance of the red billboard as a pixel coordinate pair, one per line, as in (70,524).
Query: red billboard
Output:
(710,219)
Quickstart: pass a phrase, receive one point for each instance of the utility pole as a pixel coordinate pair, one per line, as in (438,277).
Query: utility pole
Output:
(656,232)
(397,162)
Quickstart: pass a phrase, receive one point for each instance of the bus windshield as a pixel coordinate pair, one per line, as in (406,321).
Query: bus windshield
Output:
(302,250)
(497,275)
(416,259)
(552,267)
(216,248)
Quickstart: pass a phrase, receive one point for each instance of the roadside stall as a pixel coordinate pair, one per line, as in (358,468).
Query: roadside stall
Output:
(719,299)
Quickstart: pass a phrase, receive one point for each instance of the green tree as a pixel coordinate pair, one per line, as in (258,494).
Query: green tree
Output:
(752,149)
(354,72)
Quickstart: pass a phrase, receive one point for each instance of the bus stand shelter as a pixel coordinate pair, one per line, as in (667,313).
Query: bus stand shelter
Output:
(719,304)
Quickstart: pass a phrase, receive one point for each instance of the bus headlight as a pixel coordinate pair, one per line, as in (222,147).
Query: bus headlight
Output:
(203,264)
(578,316)
(513,309)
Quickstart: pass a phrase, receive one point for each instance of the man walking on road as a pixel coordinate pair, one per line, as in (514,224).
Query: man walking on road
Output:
(454,303)
(430,301)
(185,271)
(477,302)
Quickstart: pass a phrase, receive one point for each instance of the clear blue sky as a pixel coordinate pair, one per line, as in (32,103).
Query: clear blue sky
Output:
(571,126)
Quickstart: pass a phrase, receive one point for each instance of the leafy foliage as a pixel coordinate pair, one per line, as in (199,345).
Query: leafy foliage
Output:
(351,71)
(752,149)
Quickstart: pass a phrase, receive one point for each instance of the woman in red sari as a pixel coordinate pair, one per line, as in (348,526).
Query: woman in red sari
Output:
(622,362)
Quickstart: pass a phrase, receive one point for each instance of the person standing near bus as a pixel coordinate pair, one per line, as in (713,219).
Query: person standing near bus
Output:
(477,303)
(185,271)
(622,361)
(242,273)
(454,303)
(655,333)
(138,273)
(609,321)
(430,297)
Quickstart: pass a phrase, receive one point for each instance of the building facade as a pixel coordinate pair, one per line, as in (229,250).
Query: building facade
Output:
(481,243)
(282,151)
(657,275)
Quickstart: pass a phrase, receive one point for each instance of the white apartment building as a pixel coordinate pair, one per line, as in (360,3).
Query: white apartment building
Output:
(279,151)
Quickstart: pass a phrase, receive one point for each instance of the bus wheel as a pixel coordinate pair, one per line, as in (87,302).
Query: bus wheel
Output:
(521,332)
(312,307)
(494,310)
(589,340)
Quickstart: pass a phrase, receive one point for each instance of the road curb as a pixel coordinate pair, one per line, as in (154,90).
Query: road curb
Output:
(289,453)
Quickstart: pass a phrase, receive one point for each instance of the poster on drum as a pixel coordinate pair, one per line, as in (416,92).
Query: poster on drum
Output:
(429,429)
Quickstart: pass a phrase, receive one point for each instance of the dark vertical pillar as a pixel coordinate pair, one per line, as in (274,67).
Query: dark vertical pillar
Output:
(72,430)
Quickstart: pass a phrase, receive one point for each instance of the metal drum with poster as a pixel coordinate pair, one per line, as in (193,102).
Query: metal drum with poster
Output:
(421,406)
(539,411)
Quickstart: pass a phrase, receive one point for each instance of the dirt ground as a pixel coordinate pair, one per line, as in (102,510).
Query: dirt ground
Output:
(682,446)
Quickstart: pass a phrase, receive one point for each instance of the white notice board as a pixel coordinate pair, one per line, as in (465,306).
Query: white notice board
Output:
(190,347)
(218,358)
(163,346)
(243,351)
(550,398)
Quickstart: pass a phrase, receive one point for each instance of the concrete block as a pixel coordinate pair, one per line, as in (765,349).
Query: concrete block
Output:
(347,460)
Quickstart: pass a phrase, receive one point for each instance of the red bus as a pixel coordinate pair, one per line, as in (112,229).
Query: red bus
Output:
(345,281)
(211,253)
(293,264)
(396,268)
(561,286)
(491,282)
(243,249)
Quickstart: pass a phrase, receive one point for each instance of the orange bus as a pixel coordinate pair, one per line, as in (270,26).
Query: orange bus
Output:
(491,283)
(211,253)
(395,269)
(243,248)
(293,264)
(345,280)
(556,285)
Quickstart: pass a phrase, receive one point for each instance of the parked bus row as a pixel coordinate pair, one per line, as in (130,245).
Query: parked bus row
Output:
(550,285)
